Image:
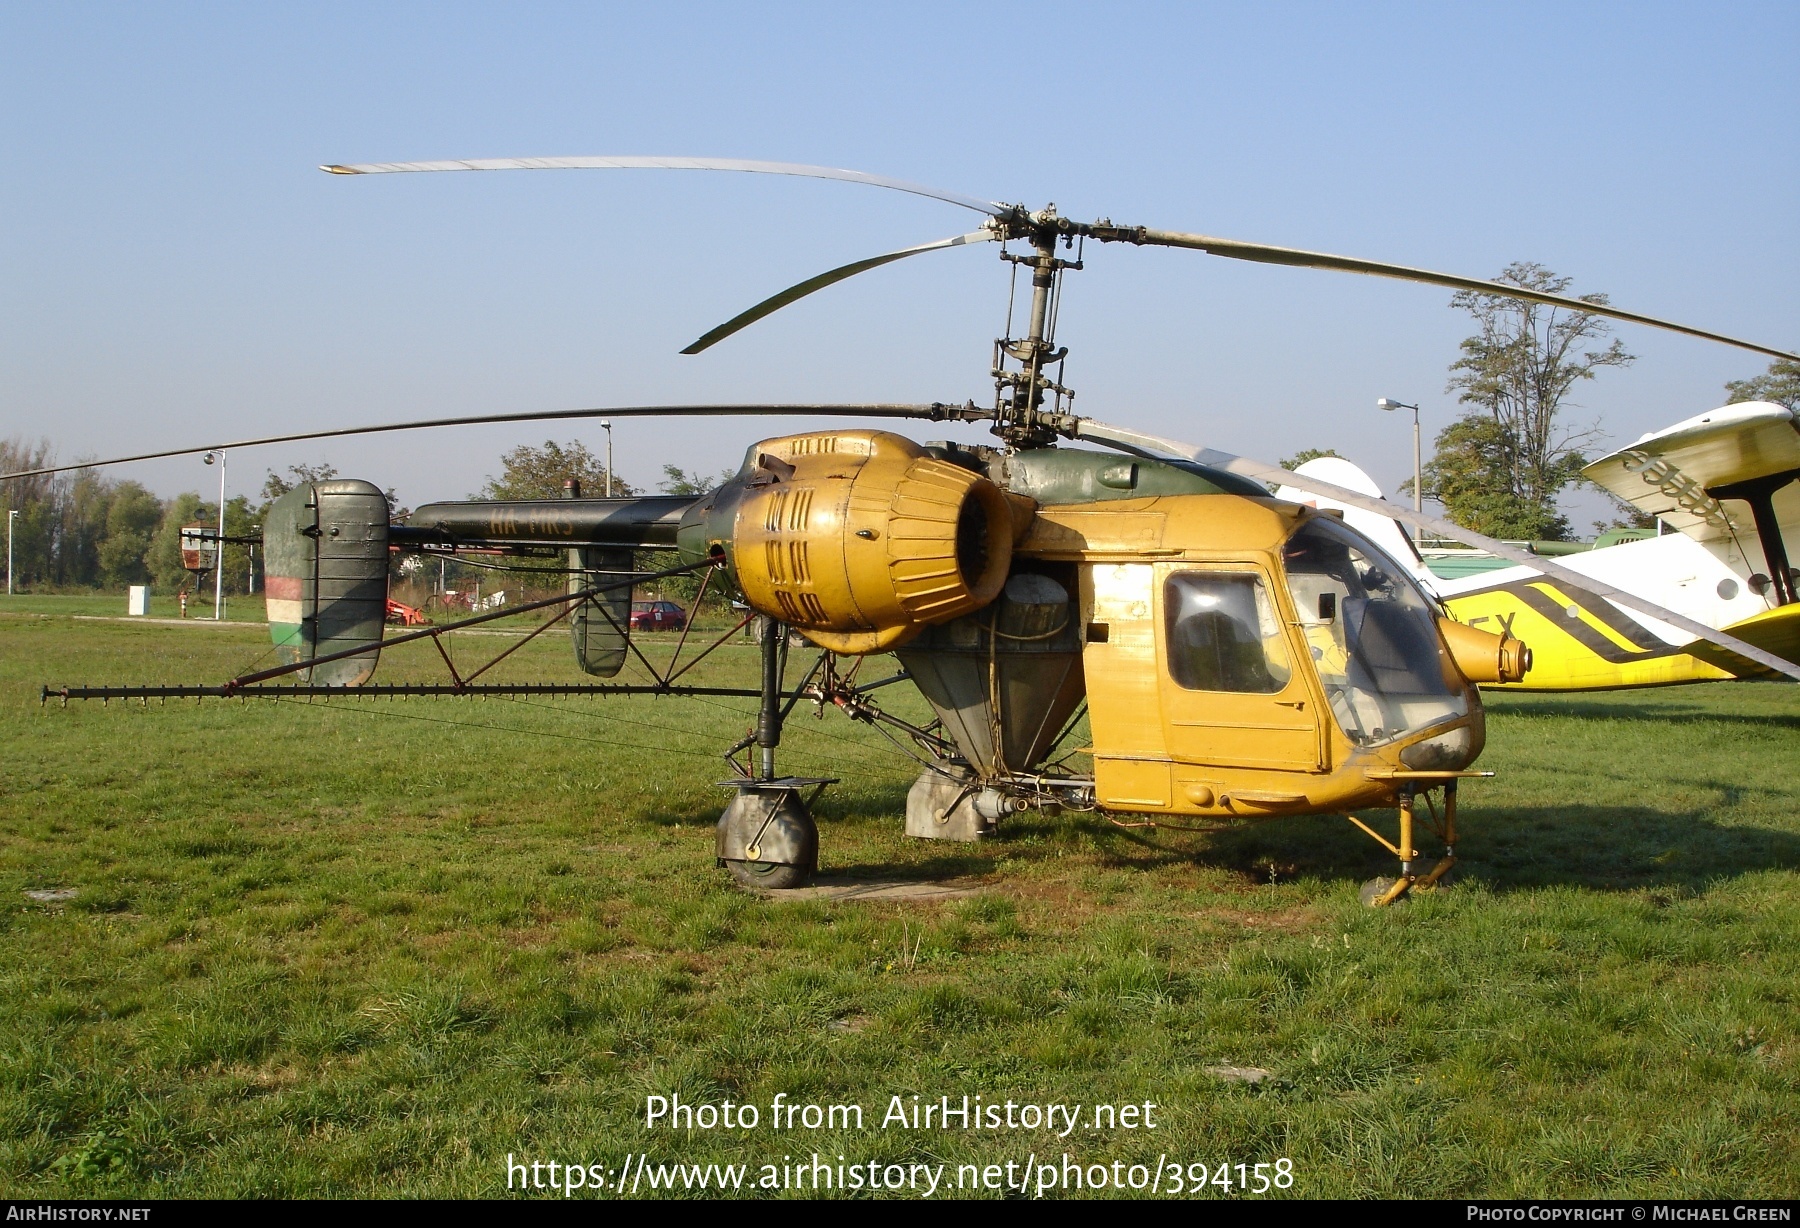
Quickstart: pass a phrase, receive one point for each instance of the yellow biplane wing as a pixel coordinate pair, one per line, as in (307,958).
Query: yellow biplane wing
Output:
(1677,474)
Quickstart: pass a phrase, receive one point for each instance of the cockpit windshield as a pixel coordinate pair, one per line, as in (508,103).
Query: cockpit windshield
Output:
(1372,635)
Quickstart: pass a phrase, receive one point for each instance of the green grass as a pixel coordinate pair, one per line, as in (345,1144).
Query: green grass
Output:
(371,948)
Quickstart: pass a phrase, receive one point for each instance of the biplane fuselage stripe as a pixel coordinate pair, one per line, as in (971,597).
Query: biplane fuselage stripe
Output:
(1570,609)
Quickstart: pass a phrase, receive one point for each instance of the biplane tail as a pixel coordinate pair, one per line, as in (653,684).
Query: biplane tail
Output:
(859,540)
(327,545)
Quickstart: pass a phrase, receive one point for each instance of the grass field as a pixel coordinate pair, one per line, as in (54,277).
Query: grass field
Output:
(372,948)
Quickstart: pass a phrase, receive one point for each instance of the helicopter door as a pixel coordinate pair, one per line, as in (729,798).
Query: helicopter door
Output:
(1234,694)
(1131,764)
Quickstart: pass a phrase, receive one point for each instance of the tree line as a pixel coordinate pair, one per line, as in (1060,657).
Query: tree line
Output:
(84,530)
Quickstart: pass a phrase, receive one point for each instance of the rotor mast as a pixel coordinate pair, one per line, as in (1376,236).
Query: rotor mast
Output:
(1019,394)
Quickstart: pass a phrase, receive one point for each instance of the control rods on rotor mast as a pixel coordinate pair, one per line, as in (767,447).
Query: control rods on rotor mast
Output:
(1019,397)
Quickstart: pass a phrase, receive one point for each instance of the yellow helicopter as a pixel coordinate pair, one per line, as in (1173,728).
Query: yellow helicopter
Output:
(1237,657)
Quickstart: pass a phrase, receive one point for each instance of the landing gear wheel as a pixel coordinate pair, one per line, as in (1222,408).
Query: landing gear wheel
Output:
(1376,891)
(767,838)
(1443,882)
(768,876)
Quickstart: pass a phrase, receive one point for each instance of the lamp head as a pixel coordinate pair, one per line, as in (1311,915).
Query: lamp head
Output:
(1385,403)
(210,457)
(605,424)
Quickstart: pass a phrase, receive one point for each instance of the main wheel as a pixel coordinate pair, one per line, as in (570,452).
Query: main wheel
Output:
(767,838)
(768,876)
(1445,881)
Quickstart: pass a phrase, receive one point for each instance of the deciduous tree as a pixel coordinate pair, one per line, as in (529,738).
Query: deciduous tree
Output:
(678,481)
(1291,463)
(1780,384)
(132,516)
(1518,371)
(1469,473)
(539,473)
(275,485)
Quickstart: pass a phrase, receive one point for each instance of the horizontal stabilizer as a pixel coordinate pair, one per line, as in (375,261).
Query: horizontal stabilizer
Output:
(1776,631)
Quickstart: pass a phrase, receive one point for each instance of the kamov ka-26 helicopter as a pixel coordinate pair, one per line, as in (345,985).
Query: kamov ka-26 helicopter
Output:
(1238,657)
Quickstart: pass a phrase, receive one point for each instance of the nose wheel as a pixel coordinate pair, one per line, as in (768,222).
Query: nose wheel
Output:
(1417,873)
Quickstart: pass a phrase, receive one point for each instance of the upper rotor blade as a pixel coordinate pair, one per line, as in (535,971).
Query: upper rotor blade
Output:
(1264,253)
(672,164)
(935,412)
(1140,444)
(800,291)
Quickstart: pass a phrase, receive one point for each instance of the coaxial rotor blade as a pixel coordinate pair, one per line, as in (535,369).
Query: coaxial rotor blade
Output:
(1139,444)
(800,291)
(935,412)
(1263,253)
(672,164)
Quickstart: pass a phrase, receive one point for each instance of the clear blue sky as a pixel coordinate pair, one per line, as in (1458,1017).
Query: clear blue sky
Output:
(174,269)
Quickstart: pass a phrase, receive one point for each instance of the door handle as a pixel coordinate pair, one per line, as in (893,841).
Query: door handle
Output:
(1298,705)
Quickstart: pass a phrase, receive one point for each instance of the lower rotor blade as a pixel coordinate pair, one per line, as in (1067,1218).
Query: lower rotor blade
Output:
(800,291)
(1263,253)
(672,164)
(1140,444)
(935,412)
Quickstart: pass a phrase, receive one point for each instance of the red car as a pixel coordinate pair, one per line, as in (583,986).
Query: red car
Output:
(657,616)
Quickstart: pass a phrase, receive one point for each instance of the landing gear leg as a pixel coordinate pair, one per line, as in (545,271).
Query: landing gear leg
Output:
(1380,892)
(767,838)
(1439,874)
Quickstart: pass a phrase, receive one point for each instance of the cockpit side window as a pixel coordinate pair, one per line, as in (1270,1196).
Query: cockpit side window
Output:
(1223,633)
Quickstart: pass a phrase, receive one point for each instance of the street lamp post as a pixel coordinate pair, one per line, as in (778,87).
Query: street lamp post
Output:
(607,427)
(12,514)
(218,456)
(1418,468)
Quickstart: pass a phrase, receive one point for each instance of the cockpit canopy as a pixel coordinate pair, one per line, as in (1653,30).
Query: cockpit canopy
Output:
(1372,634)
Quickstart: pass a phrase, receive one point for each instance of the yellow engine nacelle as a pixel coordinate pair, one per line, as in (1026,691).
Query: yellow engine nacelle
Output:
(860,539)
(1484,656)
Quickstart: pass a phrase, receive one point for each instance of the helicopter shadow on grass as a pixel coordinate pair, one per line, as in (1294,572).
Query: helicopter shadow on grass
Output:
(1508,848)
